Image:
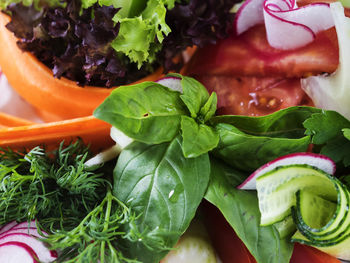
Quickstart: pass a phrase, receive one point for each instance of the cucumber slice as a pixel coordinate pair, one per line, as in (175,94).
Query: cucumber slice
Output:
(306,215)
(314,211)
(276,189)
(285,227)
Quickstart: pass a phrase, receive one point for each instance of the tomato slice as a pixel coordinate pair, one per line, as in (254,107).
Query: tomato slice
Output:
(227,244)
(253,96)
(250,54)
(302,254)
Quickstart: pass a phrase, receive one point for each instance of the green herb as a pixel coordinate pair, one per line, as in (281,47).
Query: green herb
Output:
(164,187)
(96,237)
(241,210)
(329,131)
(151,113)
(147,112)
(53,186)
(197,138)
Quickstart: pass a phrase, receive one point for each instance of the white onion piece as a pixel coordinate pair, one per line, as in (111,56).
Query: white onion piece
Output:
(333,92)
(287,26)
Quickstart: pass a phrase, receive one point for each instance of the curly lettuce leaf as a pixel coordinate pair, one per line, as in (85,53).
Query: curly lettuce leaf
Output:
(140,37)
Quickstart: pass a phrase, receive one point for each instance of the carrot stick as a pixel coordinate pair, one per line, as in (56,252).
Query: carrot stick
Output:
(90,129)
(12,121)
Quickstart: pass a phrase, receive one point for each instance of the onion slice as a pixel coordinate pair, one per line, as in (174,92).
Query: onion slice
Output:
(287,26)
(332,92)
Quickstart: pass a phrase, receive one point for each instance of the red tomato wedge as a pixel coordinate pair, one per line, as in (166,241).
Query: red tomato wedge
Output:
(231,249)
(250,55)
(254,96)
(227,244)
(303,254)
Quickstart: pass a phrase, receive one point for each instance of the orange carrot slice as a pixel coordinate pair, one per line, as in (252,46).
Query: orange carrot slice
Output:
(57,99)
(89,129)
(12,121)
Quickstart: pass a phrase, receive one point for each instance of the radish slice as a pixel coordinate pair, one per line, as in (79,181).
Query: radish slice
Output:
(15,252)
(43,253)
(31,224)
(8,226)
(172,83)
(29,231)
(316,160)
(287,26)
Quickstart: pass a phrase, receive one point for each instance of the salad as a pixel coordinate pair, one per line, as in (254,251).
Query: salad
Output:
(175,156)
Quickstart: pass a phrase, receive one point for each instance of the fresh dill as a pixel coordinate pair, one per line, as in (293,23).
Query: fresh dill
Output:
(53,187)
(71,202)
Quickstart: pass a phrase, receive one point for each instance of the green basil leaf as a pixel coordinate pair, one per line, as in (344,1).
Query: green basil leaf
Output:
(197,138)
(209,108)
(287,123)
(166,188)
(147,112)
(247,152)
(194,94)
(241,210)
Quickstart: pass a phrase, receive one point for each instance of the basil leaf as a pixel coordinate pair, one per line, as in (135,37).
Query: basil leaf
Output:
(287,123)
(247,152)
(197,138)
(209,108)
(241,210)
(159,183)
(147,112)
(194,95)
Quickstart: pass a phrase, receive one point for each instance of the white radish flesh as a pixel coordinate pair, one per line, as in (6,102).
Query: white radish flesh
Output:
(16,252)
(43,253)
(25,225)
(287,26)
(30,231)
(8,226)
(316,160)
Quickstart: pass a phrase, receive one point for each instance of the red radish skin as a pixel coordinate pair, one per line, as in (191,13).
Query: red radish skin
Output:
(8,226)
(17,252)
(30,231)
(31,224)
(43,253)
(317,160)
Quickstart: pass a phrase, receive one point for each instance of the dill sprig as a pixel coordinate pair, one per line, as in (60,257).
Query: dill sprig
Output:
(53,187)
(95,238)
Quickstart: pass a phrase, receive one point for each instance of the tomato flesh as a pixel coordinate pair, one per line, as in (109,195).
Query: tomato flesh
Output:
(254,96)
